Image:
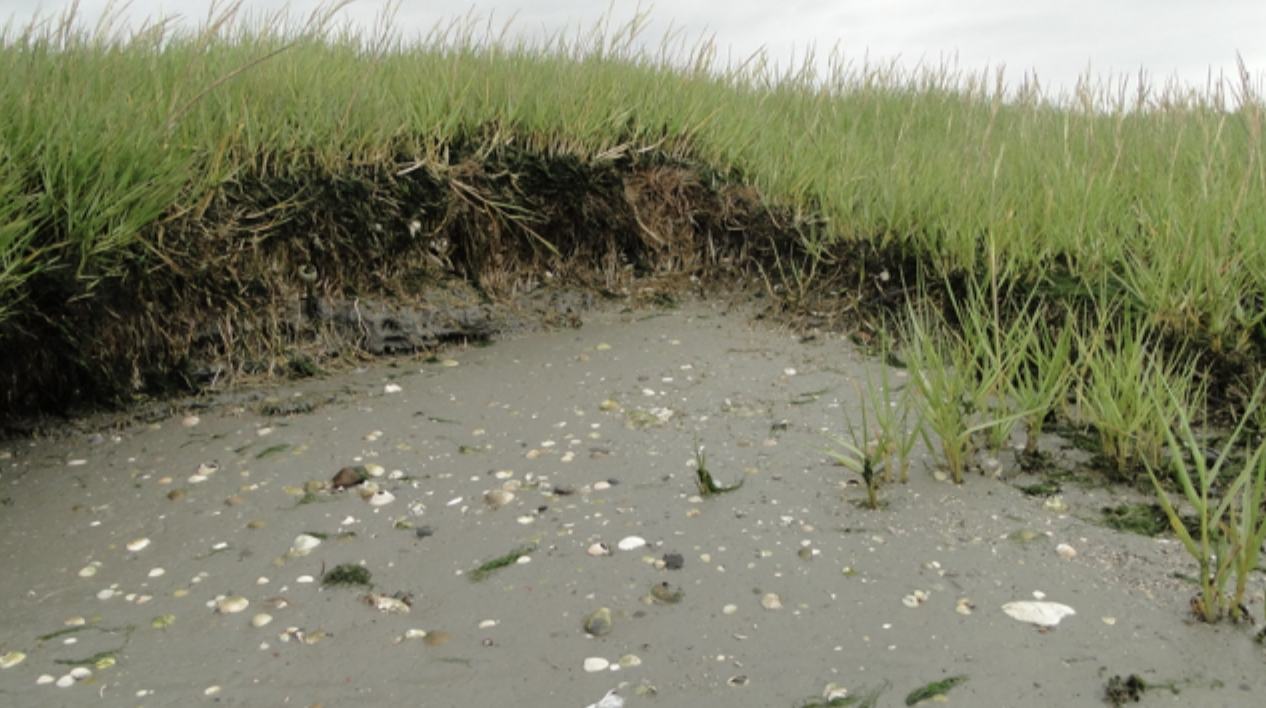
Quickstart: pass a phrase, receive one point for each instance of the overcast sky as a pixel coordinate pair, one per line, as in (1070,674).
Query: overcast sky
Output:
(1058,40)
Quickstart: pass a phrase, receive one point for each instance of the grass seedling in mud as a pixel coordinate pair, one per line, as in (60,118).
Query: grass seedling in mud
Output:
(1040,379)
(956,386)
(703,477)
(1120,374)
(1231,527)
(894,438)
(858,455)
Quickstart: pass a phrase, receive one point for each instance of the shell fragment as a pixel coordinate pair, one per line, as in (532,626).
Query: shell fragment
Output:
(1044,614)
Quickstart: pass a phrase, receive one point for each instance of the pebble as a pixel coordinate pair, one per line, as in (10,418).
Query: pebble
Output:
(231,605)
(598,623)
(630,543)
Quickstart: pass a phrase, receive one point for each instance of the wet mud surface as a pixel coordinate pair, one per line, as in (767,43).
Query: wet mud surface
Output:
(597,427)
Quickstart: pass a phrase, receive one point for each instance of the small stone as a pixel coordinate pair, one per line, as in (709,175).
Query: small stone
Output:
(674,561)
(435,638)
(232,605)
(631,542)
(598,623)
(498,498)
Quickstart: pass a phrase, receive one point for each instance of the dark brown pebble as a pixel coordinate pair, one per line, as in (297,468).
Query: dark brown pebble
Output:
(347,477)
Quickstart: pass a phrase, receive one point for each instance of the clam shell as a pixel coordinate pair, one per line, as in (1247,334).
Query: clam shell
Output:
(261,619)
(231,605)
(386,603)
(598,623)
(137,545)
(631,542)
(304,543)
(66,681)
(771,601)
(79,673)
(498,498)
(13,658)
(1045,614)
(374,470)
(596,663)
(381,498)
(599,549)
(1066,551)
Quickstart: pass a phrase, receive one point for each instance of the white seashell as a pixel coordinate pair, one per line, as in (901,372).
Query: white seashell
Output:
(79,673)
(106,594)
(207,468)
(729,609)
(381,498)
(75,621)
(305,579)
(303,544)
(66,681)
(391,388)
(415,634)
(1055,504)
(963,607)
(596,663)
(771,601)
(631,542)
(44,679)
(190,421)
(90,570)
(599,549)
(1045,614)
(231,605)
(628,661)
(833,691)
(137,545)
(13,658)
(498,498)
(526,519)
(373,470)
(488,624)
(1066,551)
(197,478)
(386,603)
(156,572)
(910,601)
(601,486)
(610,700)
(261,619)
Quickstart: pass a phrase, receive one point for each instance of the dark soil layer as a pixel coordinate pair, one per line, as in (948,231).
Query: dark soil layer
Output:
(285,274)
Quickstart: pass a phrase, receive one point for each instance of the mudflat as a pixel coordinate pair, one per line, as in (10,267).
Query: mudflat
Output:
(565,466)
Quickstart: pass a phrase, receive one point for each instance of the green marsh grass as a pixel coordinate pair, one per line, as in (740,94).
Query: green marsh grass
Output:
(109,135)
(1229,518)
